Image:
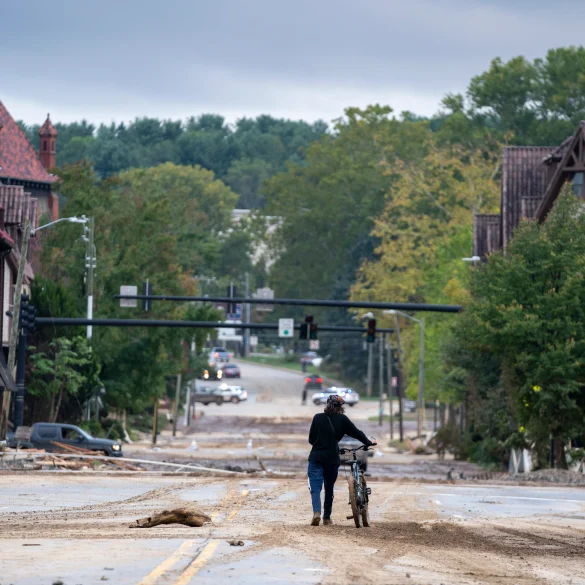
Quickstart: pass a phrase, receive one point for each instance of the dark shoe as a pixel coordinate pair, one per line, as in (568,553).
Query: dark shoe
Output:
(316,519)
(327,522)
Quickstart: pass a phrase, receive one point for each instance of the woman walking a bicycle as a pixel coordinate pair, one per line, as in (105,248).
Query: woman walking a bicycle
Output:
(327,429)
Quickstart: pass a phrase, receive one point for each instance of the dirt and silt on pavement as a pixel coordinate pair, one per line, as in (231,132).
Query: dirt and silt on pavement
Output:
(409,541)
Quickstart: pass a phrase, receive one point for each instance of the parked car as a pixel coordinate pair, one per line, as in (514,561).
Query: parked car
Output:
(207,395)
(56,437)
(311,358)
(409,406)
(219,354)
(231,371)
(362,456)
(350,396)
(313,382)
(233,394)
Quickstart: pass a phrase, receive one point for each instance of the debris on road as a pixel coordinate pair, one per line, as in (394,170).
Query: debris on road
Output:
(186,516)
(235,542)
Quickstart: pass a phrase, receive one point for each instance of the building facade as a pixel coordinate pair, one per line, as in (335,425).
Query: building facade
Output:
(26,192)
(532,178)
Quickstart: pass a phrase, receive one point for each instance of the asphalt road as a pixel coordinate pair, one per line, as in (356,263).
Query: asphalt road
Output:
(74,530)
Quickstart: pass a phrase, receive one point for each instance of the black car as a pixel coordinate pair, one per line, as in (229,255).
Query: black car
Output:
(313,382)
(56,437)
(207,395)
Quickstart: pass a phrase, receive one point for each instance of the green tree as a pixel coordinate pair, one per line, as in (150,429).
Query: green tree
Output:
(527,309)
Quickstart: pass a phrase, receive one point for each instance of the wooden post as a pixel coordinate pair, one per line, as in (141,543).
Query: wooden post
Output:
(155,421)
(176,405)
(14,327)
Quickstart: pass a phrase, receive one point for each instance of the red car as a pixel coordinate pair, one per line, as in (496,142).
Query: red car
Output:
(231,371)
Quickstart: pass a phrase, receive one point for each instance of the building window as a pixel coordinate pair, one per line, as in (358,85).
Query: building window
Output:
(44,145)
(578,179)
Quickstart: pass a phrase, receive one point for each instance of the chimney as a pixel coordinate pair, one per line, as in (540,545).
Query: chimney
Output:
(48,149)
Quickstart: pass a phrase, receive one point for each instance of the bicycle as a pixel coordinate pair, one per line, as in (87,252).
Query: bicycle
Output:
(359,492)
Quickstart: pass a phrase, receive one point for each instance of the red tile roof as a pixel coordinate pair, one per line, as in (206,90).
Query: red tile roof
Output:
(18,158)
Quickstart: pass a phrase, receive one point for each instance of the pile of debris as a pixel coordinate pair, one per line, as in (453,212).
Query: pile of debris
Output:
(550,476)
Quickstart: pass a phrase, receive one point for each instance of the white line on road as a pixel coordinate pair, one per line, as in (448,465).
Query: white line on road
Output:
(494,496)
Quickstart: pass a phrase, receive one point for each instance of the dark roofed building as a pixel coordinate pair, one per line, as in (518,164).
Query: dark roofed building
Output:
(532,178)
(20,164)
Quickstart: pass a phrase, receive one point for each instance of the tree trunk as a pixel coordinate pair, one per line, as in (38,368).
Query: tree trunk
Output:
(56,413)
(560,456)
(51,407)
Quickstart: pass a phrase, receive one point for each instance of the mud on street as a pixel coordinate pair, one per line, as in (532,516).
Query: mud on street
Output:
(76,529)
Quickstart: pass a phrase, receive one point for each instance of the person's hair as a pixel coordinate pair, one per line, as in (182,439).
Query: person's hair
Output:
(334,409)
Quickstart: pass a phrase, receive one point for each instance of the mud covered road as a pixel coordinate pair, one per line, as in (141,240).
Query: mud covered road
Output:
(73,529)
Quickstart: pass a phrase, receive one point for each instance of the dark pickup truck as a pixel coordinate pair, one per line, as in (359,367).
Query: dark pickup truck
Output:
(47,436)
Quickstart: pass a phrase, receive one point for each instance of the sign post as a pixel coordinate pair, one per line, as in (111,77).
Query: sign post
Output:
(286,327)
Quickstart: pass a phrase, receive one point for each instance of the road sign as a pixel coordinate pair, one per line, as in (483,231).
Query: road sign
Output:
(130,291)
(237,316)
(264,293)
(314,344)
(286,327)
(253,340)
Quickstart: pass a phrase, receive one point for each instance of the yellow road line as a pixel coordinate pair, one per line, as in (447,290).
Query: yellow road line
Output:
(207,552)
(196,565)
(157,572)
(234,512)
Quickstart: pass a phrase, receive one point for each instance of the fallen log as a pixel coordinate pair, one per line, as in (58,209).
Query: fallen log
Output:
(186,516)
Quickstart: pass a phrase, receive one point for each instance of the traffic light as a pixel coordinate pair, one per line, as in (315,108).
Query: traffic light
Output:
(313,330)
(232,292)
(371,337)
(147,290)
(308,328)
(28,315)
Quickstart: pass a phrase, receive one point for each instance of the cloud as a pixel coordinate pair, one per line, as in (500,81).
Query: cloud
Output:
(117,59)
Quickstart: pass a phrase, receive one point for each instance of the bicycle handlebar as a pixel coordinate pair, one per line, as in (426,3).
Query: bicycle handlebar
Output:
(360,448)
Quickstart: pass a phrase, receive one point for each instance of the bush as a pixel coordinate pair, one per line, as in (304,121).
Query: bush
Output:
(93,427)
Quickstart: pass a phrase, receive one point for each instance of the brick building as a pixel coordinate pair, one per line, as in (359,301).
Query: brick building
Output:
(532,178)
(26,191)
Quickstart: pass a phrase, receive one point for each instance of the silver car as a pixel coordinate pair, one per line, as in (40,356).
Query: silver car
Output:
(350,396)
(233,394)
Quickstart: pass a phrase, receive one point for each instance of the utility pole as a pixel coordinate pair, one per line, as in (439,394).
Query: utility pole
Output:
(155,420)
(187,419)
(176,405)
(370,368)
(381,341)
(421,377)
(390,387)
(247,331)
(14,329)
(90,259)
(400,390)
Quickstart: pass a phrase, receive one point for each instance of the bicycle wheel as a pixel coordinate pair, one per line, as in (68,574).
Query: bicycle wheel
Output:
(357,517)
(364,510)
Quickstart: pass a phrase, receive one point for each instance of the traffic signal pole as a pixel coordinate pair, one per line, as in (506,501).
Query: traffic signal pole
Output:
(20,367)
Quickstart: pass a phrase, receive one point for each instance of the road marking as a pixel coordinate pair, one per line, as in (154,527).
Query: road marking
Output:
(235,511)
(196,565)
(494,496)
(157,572)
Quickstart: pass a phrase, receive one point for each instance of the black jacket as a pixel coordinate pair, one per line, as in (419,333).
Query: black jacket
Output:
(324,439)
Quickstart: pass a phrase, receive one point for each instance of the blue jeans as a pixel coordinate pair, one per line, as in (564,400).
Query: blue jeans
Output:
(320,474)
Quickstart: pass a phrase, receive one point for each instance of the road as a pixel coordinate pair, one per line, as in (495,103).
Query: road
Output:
(75,530)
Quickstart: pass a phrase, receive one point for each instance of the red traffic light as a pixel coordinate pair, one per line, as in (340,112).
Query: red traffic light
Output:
(308,318)
(371,326)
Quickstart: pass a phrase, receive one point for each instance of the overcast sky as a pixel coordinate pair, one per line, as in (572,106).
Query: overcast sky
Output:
(107,60)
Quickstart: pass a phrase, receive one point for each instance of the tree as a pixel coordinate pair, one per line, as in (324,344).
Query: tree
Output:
(65,368)
(527,310)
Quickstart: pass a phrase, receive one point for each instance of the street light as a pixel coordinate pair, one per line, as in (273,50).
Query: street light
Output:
(90,257)
(81,219)
(421,366)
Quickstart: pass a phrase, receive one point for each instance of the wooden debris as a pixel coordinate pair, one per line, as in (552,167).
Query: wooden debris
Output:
(186,516)
(76,450)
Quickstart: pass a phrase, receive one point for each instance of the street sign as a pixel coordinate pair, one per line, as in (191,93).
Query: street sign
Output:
(237,316)
(286,327)
(129,291)
(314,344)
(264,293)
